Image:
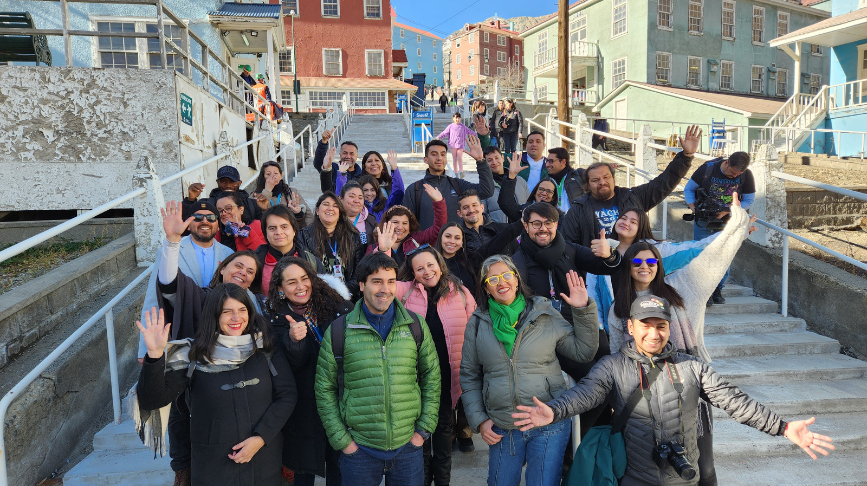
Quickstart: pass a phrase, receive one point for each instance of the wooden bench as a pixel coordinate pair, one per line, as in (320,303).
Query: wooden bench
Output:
(23,47)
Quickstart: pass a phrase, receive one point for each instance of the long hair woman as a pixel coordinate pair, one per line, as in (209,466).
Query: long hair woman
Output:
(332,239)
(271,190)
(373,164)
(375,199)
(244,390)
(426,287)
(399,231)
(450,244)
(280,228)
(303,305)
(509,356)
(357,212)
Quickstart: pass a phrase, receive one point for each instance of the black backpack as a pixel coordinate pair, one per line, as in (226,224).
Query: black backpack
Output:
(338,341)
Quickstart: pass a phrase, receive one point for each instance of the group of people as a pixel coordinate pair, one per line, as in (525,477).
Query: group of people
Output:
(364,336)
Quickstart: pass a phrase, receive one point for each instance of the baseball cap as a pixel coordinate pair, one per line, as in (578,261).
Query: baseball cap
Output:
(650,306)
(200,205)
(230,172)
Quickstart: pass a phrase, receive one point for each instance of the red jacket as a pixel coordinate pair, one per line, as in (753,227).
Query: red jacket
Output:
(251,242)
(428,236)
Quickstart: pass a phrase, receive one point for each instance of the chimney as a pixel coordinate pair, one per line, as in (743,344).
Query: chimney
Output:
(511,26)
(498,23)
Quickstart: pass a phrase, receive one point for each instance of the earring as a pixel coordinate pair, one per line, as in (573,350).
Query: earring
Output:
(281,295)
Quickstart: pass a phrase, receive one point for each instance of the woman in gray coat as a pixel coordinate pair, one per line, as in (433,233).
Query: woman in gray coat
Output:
(509,356)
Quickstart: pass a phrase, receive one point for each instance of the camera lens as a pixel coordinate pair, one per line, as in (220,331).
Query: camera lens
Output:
(679,463)
(688,217)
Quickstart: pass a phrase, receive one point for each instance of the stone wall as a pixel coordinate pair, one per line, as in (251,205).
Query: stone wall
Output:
(826,161)
(12,232)
(810,207)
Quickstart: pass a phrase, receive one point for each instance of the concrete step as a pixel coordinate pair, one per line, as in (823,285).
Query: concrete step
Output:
(809,397)
(764,370)
(751,323)
(118,436)
(730,290)
(731,438)
(772,343)
(128,467)
(744,305)
(840,468)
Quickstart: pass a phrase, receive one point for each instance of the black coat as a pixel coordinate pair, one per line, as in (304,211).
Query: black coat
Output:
(319,159)
(574,187)
(305,443)
(474,240)
(220,419)
(307,239)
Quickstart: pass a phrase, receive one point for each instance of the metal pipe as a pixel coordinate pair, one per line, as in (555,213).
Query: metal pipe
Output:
(665,218)
(785,291)
(112,364)
(831,252)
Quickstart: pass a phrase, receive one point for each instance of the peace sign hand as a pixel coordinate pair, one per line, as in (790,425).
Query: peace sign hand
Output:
(297,330)
(577,291)
(294,202)
(173,222)
(515,166)
(156,334)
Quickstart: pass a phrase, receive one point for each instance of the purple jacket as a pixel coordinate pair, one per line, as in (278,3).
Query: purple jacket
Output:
(457,135)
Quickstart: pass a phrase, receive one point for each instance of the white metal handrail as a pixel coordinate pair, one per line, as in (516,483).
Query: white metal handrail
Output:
(821,185)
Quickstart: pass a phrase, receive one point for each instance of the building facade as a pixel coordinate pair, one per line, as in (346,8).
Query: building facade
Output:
(341,47)
(480,53)
(424,52)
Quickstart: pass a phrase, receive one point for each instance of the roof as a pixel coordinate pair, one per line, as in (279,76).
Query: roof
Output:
(350,83)
(747,105)
(835,31)
(258,10)
(398,55)
(417,31)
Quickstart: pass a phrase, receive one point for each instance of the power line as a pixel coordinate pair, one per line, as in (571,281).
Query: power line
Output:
(432,29)
(455,15)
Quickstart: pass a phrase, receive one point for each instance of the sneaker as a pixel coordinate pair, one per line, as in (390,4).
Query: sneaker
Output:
(717,297)
(466,445)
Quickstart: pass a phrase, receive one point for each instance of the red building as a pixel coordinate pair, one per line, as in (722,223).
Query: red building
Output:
(481,52)
(342,46)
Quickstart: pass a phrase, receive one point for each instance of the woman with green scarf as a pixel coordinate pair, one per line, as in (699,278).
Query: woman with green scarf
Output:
(509,356)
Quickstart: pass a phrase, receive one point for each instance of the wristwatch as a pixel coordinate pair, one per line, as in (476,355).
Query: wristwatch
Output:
(424,435)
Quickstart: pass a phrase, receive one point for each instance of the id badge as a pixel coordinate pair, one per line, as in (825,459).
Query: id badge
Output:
(338,271)
(556,304)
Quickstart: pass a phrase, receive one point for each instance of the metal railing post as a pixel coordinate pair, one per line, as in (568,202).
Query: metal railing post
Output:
(785,291)
(665,218)
(112,364)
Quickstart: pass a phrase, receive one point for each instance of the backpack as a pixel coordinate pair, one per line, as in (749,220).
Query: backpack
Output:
(338,342)
(417,187)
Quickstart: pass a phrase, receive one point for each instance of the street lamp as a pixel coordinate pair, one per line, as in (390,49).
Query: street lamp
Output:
(294,62)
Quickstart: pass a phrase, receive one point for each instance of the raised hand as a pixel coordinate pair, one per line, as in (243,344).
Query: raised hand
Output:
(691,140)
(261,200)
(798,433)
(385,238)
(245,451)
(297,330)
(489,436)
(329,159)
(156,334)
(538,416)
(481,125)
(515,166)
(600,247)
(753,227)
(433,193)
(392,160)
(173,222)
(326,135)
(345,165)
(272,181)
(294,202)
(577,291)
(195,190)
(475,147)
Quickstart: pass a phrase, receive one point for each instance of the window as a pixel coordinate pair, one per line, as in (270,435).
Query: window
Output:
(435,71)
(402,46)
(332,62)
(501,40)
(171,32)
(517,63)
(501,56)
(816,49)
(501,71)
(663,68)
(435,79)
(618,72)
(457,43)
(289,5)
(472,37)
(373,9)
(758,24)
(418,38)
(618,25)
(487,37)
(471,55)
(726,75)
(434,42)
(286,94)
(517,50)
(472,70)
(285,61)
(693,73)
(117,52)
(782,23)
(487,54)
(324,99)
(458,58)
(578,28)
(368,99)
(376,63)
(782,83)
(435,56)
(542,92)
(815,83)
(330,8)
(458,75)
(487,70)
(401,34)
(663,14)
(419,65)
(757,79)
(728,19)
(418,51)
(542,41)
(695,16)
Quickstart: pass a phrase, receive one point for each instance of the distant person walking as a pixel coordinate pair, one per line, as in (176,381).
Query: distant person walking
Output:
(601,125)
(444,100)
(510,127)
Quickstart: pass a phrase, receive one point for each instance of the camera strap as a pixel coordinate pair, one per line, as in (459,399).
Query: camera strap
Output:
(650,377)
(620,421)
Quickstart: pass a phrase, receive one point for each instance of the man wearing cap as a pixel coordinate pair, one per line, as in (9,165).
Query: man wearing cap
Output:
(199,257)
(228,180)
(655,391)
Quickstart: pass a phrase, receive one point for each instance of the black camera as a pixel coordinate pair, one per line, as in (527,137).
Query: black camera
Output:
(672,453)
(705,211)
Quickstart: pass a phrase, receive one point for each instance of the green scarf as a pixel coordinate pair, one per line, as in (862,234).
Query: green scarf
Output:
(505,318)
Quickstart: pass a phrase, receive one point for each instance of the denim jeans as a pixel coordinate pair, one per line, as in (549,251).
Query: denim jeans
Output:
(510,142)
(405,469)
(702,233)
(541,448)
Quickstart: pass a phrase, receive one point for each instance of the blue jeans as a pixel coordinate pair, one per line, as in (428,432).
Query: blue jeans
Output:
(405,469)
(541,448)
(702,233)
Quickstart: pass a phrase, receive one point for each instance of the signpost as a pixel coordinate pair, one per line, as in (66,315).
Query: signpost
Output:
(186,109)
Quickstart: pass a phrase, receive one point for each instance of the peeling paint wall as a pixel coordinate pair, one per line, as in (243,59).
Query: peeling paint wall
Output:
(70,138)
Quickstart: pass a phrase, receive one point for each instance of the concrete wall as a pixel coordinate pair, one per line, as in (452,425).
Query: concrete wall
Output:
(430,45)
(843,144)
(808,207)
(844,62)
(822,160)
(71,136)
(16,231)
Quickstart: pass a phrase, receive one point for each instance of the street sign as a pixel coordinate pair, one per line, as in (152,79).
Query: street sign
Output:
(186,109)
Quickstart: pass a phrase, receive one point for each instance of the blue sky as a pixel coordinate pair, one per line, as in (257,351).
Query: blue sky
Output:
(439,16)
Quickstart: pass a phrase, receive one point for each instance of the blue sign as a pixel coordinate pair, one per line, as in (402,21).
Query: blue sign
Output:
(421,119)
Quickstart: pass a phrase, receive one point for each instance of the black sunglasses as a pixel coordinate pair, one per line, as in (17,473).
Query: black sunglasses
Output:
(210,217)
(417,249)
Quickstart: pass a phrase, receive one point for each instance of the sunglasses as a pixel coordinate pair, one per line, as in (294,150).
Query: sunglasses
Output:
(651,262)
(210,217)
(417,249)
(494,280)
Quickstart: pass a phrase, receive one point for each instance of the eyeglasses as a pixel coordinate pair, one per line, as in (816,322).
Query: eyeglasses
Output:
(199,217)
(417,249)
(538,224)
(227,209)
(549,192)
(494,280)
(651,262)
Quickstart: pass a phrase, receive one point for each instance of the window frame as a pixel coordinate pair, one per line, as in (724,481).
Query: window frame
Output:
(402,34)
(487,70)
(136,49)
(733,24)
(286,9)
(172,59)
(780,22)
(731,75)
(614,21)
(784,75)
(434,56)
(667,81)
(761,17)
(471,55)
(367,53)
(339,61)
(418,38)
(761,79)
(501,38)
(487,53)
(380,95)
(818,83)
(458,74)
(503,58)
(817,50)
(291,60)
(472,69)
(700,19)
(458,58)
(471,37)
(689,60)
(517,50)
(487,37)
(542,92)
(435,70)
(669,13)
(614,74)
(418,51)
(366,16)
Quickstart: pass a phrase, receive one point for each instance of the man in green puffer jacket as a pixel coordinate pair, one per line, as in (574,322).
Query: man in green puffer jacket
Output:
(391,385)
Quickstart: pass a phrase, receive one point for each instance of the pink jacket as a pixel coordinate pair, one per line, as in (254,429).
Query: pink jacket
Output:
(454,312)
(457,135)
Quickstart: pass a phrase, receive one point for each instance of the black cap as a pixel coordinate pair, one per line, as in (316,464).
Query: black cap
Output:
(650,306)
(230,172)
(200,205)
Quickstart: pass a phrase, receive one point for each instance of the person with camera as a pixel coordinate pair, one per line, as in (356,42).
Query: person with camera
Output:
(709,194)
(655,391)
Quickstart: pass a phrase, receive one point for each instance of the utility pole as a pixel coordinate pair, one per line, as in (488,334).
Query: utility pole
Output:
(563,75)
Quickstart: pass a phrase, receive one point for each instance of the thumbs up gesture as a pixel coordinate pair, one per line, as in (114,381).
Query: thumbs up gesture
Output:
(600,247)
(297,330)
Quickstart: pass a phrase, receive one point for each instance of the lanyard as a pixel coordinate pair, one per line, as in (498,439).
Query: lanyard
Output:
(551,284)
(279,196)
(560,188)
(354,223)
(333,249)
